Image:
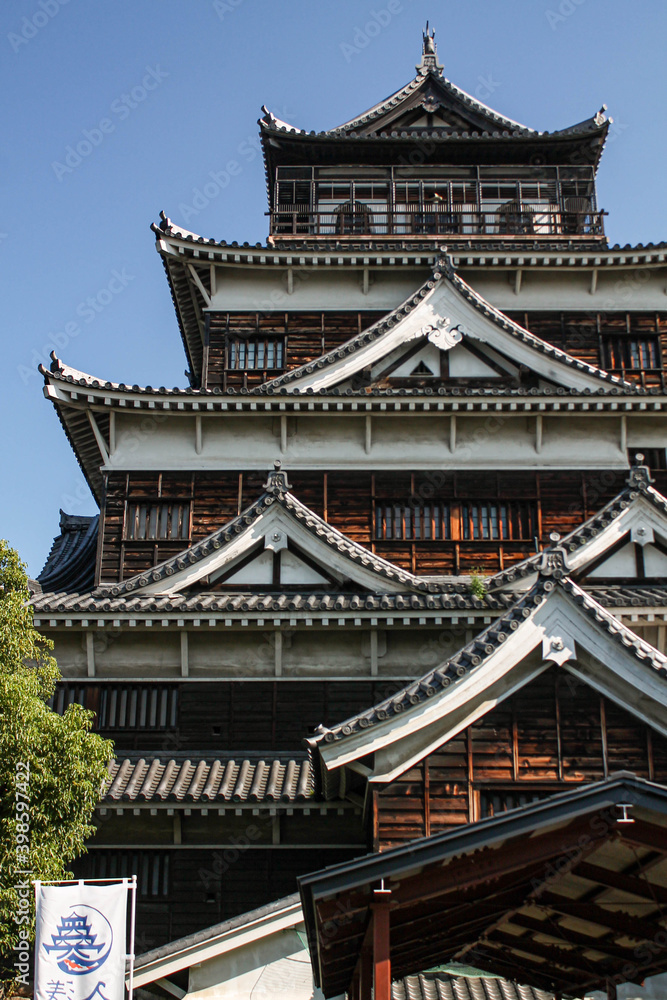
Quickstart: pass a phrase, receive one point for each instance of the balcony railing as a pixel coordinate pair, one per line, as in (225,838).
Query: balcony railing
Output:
(511,219)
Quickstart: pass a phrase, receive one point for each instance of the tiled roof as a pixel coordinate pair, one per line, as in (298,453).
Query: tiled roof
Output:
(62,372)
(638,483)
(425,78)
(629,597)
(552,574)
(442,986)
(70,565)
(285,602)
(189,778)
(398,253)
(445,272)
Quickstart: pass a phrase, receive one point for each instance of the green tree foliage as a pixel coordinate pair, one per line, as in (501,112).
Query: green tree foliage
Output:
(51,767)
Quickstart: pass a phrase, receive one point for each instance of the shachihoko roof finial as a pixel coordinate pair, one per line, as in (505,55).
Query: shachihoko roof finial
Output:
(429,61)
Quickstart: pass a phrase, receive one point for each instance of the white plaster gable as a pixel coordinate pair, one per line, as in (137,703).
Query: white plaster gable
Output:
(621,565)
(640,520)
(464,364)
(568,628)
(258,955)
(445,311)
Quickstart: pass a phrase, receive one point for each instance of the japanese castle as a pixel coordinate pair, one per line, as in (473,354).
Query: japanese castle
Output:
(374,607)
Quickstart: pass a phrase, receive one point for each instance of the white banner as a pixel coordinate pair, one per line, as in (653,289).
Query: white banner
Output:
(80,945)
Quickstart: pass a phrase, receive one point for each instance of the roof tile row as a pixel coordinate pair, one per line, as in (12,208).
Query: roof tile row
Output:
(218,780)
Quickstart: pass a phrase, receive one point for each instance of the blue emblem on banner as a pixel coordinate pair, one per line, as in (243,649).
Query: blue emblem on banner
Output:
(82,941)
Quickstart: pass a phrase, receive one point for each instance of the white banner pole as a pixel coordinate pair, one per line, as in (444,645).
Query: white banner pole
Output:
(133,916)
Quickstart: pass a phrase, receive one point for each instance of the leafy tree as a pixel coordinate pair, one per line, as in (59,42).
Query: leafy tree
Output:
(51,767)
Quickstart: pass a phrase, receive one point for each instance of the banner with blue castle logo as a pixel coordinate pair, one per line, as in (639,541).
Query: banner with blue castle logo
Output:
(80,945)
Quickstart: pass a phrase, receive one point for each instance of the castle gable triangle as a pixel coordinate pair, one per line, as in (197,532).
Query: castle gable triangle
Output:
(446,312)
(626,540)
(275,544)
(555,623)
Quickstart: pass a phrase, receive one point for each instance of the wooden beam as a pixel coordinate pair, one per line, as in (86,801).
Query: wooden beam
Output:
(515,855)
(172,988)
(381,945)
(366,973)
(636,928)
(101,443)
(541,975)
(626,883)
(646,835)
(198,282)
(603,944)
(563,957)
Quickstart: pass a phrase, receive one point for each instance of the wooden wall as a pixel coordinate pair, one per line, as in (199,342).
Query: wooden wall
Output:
(239,716)
(347,500)
(307,336)
(583,335)
(554,732)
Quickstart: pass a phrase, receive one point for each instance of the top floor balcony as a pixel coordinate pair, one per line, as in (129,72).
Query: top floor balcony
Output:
(481,202)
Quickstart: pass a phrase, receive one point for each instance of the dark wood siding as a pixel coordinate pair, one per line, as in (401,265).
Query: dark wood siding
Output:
(554,732)
(236,716)
(348,500)
(588,336)
(304,336)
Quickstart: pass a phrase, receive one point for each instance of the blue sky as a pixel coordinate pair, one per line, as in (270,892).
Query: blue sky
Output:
(167,91)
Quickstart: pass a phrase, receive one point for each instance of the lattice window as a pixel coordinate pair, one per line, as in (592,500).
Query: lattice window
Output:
(629,353)
(468,520)
(122,706)
(150,867)
(491,519)
(146,521)
(423,522)
(255,354)
(125,706)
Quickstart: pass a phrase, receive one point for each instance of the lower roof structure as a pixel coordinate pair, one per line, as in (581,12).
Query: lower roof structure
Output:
(569,894)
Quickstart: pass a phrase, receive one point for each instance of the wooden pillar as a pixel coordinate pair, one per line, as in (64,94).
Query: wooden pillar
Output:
(381,945)
(611,990)
(366,974)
